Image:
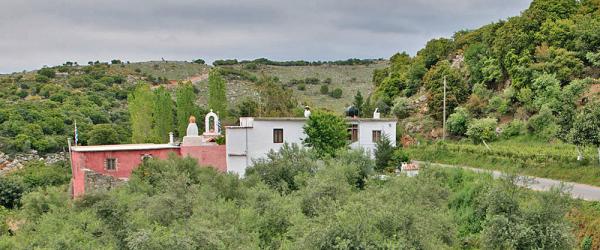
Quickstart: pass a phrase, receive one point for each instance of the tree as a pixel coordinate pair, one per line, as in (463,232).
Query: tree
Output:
(456,88)
(586,127)
(248,108)
(199,61)
(217,93)
(102,134)
(185,99)
(275,100)
(10,192)
(140,104)
(384,153)
(482,130)
(458,122)
(402,107)
(359,103)
(325,133)
(47,72)
(163,114)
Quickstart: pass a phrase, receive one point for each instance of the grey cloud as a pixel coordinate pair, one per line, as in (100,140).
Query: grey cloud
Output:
(36,33)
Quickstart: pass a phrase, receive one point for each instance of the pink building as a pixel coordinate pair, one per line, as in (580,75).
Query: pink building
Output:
(105,166)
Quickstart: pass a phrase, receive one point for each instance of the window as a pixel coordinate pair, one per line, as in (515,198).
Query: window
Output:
(376,135)
(353,132)
(110,164)
(278,135)
(146,157)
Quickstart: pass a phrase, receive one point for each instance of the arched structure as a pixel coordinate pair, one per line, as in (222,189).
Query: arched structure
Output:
(215,123)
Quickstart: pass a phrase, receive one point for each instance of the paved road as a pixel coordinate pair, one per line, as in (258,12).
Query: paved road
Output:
(577,190)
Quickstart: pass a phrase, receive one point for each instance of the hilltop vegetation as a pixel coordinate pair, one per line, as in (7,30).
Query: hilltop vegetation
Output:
(38,109)
(533,75)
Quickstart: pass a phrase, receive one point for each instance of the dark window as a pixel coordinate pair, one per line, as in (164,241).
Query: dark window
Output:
(376,135)
(353,132)
(111,164)
(278,135)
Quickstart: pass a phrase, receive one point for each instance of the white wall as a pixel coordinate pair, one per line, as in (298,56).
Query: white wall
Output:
(245,144)
(365,133)
(259,141)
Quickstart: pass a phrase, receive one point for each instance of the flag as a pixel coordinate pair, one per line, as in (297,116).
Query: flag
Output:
(76,137)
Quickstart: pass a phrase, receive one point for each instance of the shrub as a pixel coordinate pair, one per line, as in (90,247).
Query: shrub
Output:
(482,130)
(11,191)
(543,124)
(513,128)
(336,93)
(301,87)
(47,72)
(324,89)
(199,61)
(402,107)
(312,80)
(458,122)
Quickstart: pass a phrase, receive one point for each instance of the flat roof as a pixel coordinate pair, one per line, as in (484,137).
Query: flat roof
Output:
(122,147)
(304,119)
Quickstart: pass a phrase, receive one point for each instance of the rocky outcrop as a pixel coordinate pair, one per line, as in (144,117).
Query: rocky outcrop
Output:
(12,162)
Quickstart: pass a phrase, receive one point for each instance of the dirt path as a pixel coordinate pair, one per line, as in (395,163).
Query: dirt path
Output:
(577,190)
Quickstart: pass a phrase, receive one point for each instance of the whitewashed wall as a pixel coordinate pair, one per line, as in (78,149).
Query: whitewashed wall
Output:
(254,141)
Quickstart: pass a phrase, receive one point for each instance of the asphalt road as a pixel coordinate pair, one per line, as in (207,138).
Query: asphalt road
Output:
(577,190)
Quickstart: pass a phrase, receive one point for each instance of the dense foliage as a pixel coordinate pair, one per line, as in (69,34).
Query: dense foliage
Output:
(293,200)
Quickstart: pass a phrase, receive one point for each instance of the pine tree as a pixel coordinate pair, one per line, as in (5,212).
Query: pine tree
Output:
(185,98)
(359,103)
(140,105)
(163,114)
(217,99)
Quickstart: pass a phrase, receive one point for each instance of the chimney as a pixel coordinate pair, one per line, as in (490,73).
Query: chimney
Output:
(171,139)
(307,111)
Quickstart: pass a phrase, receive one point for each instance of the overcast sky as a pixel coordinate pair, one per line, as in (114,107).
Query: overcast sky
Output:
(37,33)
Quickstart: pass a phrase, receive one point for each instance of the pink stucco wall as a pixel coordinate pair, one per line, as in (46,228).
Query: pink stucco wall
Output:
(127,161)
(211,155)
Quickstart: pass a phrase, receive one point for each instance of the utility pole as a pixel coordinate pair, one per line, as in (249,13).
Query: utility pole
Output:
(444,119)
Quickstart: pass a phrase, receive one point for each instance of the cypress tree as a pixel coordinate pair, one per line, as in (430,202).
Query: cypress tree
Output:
(140,105)
(185,102)
(217,93)
(163,114)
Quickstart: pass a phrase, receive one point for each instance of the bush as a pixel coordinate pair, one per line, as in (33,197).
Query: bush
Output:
(336,93)
(326,133)
(514,128)
(312,80)
(458,122)
(402,107)
(301,87)
(543,124)
(199,61)
(324,89)
(11,191)
(482,130)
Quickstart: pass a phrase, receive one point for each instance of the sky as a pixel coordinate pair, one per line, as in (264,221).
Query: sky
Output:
(34,33)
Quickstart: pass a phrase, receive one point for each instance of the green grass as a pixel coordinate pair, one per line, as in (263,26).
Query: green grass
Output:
(524,155)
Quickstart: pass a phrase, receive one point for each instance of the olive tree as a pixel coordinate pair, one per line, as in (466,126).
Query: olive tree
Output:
(586,127)
(325,132)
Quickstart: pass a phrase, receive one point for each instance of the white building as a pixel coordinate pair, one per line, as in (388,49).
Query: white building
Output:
(255,137)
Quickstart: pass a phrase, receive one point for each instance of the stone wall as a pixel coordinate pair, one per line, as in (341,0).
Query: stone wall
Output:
(96,182)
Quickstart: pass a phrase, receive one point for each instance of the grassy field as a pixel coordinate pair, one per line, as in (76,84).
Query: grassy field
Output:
(522,155)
